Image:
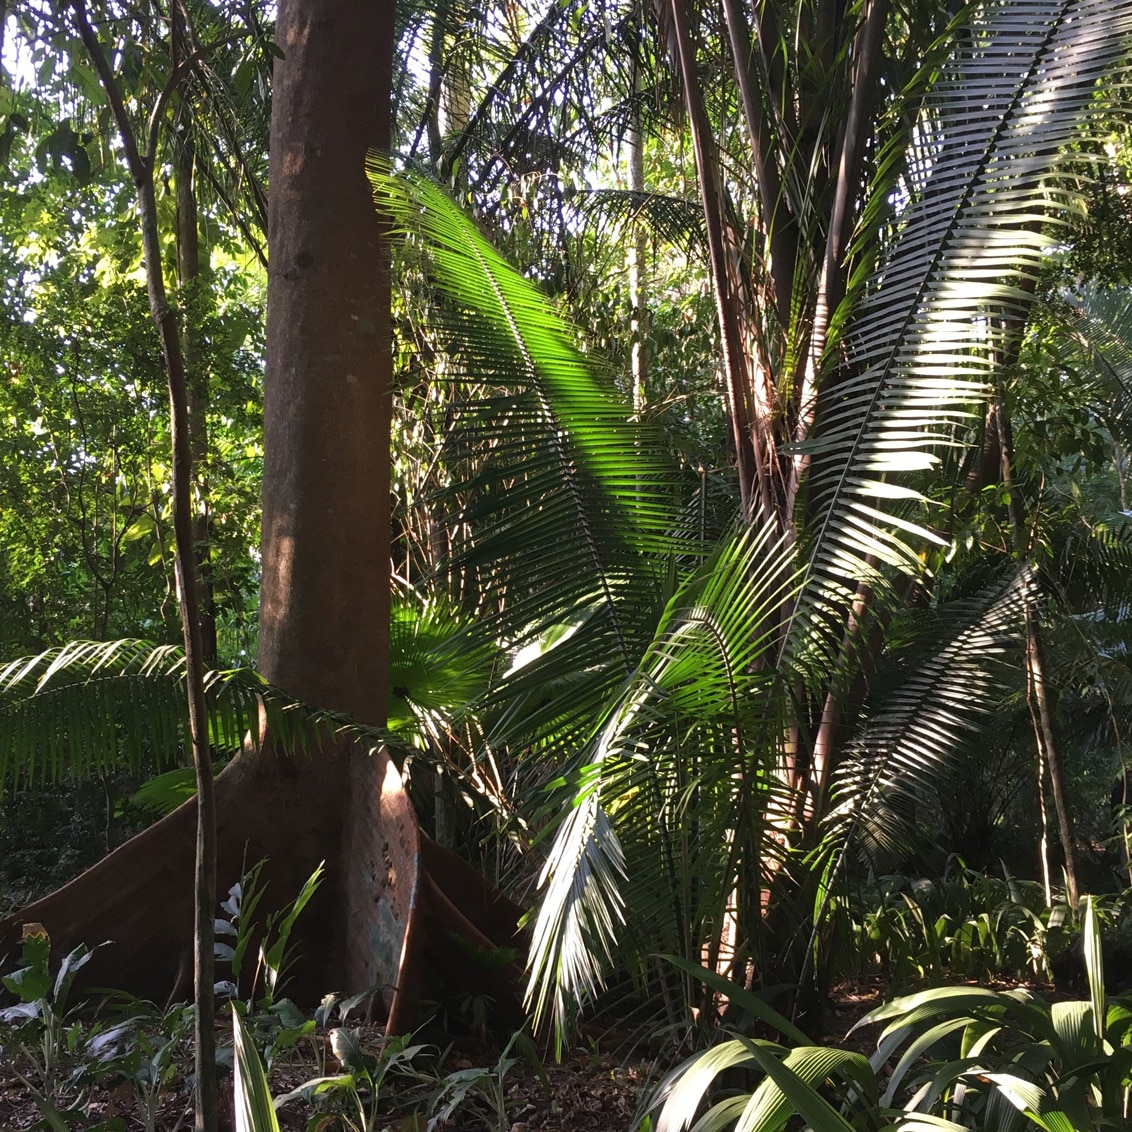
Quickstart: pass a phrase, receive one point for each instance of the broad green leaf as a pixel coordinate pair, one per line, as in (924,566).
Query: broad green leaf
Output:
(791,1084)
(684,1089)
(1094,965)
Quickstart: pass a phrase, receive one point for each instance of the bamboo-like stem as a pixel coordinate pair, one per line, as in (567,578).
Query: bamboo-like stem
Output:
(1036,669)
(638,248)
(754,464)
(191,275)
(777,212)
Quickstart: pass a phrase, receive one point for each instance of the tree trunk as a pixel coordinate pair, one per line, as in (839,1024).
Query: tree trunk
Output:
(392,901)
(191,282)
(638,250)
(324,607)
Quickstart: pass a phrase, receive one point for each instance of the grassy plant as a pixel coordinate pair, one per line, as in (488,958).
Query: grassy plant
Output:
(240,926)
(967,924)
(148,1048)
(482,1092)
(276,1022)
(976,1056)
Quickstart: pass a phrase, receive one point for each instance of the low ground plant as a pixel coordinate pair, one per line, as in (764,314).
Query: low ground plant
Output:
(953,1058)
(51,1051)
(964,925)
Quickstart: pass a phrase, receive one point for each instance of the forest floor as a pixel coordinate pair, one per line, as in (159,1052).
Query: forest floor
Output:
(596,1088)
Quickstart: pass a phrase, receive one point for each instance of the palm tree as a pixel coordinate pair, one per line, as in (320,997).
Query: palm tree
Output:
(874,235)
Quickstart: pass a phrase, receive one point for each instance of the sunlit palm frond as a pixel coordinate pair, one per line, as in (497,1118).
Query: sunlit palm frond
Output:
(518,341)
(567,512)
(974,213)
(567,493)
(433,671)
(645,763)
(89,707)
(942,688)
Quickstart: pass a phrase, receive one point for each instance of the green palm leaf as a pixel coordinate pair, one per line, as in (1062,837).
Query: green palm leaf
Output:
(1096,341)
(89,707)
(701,673)
(566,493)
(503,321)
(981,192)
(673,219)
(569,512)
(917,729)
(789,1087)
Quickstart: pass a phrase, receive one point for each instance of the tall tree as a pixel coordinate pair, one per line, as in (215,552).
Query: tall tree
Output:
(393,898)
(325,603)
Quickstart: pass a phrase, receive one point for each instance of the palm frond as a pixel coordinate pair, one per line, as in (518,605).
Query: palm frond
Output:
(976,207)
(940,698)
(675,220)
(563,503)
(1097,347)
(88,707)
(1092,570)
(519,341)
(433,670)
(700,674)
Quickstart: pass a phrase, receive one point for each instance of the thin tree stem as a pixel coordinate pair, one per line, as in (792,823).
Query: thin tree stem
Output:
(1036,686)
(753,478)
(141,170)
(1035,661)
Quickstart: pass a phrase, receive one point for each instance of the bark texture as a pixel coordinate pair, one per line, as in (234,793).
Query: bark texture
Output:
(324,612)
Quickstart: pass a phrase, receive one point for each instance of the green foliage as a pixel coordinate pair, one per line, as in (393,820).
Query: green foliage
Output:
(356,1092)
(272,938)
(799,1080)
(252,1097)
(432,671)
(51,1051)
(481,1092)
(582,633)
(149,1049)
(965,924)
(90,707)
(49,836)
(85,488)
(1062,1064)
(694,689)
(952,1057)
(275,1024)
(655,694)
(929,705)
